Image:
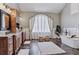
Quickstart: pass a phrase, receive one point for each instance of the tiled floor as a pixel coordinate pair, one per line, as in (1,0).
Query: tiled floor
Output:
(23,52)
(69,50)
(26,48)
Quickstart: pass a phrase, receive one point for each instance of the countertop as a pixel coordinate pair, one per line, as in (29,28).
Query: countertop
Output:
(10,34)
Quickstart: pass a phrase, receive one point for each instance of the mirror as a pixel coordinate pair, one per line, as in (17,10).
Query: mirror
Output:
(5,21)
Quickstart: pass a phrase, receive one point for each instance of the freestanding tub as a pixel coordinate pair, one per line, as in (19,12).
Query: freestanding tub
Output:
(72,42)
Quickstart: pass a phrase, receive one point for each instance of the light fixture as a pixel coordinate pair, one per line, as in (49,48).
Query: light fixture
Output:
(2,6)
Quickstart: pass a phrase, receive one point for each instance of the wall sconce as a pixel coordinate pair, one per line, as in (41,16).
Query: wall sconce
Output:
(2,6)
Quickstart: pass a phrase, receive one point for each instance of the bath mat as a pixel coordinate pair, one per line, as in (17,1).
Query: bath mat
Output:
(27,42)
(49,48)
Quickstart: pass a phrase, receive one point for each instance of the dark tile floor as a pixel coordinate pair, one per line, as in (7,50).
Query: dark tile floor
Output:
(69,50)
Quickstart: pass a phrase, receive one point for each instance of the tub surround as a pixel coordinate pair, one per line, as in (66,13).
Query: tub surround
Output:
(72,42)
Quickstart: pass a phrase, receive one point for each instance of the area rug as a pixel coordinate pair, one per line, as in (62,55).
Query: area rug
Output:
(49,48)
(34,50)
(27,42)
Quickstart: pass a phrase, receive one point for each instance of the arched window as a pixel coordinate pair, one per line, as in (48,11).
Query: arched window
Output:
(41,25)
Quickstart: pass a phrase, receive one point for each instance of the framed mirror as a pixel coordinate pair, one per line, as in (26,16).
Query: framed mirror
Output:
(5,21)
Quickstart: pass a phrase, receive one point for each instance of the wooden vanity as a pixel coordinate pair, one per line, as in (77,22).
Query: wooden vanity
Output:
(10,42)
(6,39)
(6,45)
(23,36)
(17,41)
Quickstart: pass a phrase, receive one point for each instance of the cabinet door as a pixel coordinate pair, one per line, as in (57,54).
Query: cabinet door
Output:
(24,35)
(20,35)
(19,39)
(17,42)
(3,46)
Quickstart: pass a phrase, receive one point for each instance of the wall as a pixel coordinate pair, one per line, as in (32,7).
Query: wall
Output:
(25,21)
(69,20)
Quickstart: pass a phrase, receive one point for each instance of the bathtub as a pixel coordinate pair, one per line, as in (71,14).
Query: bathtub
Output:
(72,42)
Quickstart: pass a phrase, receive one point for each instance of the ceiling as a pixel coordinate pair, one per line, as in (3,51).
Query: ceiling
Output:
(38,7)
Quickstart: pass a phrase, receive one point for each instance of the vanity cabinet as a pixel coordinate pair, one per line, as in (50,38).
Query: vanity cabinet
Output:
(6,45)
(17,41)
(23,36)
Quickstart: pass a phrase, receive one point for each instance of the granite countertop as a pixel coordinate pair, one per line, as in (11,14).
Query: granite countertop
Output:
(11,34)
(7,35)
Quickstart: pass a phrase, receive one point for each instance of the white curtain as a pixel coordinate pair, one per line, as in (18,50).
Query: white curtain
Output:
(31,24)
(50,22)
(40,25)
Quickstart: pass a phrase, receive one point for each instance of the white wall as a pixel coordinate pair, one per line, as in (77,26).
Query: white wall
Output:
(69,20)
(25,21)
